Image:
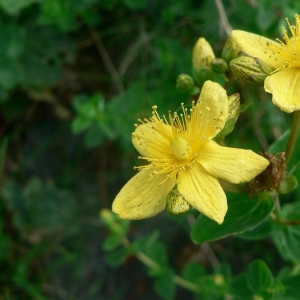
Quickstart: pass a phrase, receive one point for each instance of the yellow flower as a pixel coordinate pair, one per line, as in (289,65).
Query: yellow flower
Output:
(283,57)
(181,152)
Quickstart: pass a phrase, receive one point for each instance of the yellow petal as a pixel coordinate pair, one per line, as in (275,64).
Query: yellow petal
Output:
(141,198)
(203,191)
(256,46)
(285,87)
(146,137)
(231,164)
(210,113)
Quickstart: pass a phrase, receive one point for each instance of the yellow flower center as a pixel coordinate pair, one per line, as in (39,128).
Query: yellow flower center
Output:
(180,148)
(172,147)
(288,52)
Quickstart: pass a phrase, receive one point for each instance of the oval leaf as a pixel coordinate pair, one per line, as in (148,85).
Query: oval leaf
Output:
(243,214)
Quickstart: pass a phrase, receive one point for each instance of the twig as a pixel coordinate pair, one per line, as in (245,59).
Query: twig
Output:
(223,17)
(106,59)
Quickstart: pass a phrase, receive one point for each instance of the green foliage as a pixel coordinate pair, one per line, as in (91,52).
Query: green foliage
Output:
(244,214)
(75,77)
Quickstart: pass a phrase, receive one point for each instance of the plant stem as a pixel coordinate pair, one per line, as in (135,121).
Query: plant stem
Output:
(293,136)
(277,207)
(147,261)
(186,284)
(154,265)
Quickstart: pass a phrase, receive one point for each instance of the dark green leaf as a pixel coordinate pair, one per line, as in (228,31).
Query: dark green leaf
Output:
(260,278)
(260,232)
(165,285)
(135,4)
(93,137)
(243,214)
(193,272)
(117,257)
(158,254)
(291,289)
(111,242)
(13,7)
(239,289)
(145,242)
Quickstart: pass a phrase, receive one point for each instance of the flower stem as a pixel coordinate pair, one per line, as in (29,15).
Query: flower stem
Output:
(186,284)
(277,209)
(146,260)
(293,136)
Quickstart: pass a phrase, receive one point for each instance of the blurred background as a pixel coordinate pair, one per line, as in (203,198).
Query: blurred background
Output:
(75,75)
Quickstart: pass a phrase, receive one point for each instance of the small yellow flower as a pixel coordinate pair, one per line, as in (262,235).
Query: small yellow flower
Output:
(181,152)
(283,57)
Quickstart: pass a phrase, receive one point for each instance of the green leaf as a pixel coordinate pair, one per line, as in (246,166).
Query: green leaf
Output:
(287,240)
(243,214)
(93,137)
(165,285)
(260,232)
(286,236)
(260,278)
(265,17)
(58,12)
(111,242)
(135,4)
(290,287)
(13,7)
(145,242)
(280,146)
(193,272)
(239,288)
(157,252)
(117,257)
(40,207)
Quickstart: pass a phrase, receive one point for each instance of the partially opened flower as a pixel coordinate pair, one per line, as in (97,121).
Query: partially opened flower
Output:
(182,154)
(283,57)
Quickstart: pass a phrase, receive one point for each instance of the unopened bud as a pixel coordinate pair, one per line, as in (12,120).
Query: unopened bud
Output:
(288,184)
(203,54)
(230,50)
(185,84)
(219,279)
(233,114)
(250,70)
(219,66)
(176,205)
(113,222)
(234,106)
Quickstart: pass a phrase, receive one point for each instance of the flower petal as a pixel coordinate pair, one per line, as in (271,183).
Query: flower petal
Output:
(285,87)
(231,164)
(203,191)
(256,46)
(210,114)
(142,198)
(147,139)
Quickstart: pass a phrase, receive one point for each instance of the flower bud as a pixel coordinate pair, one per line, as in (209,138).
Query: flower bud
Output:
(203,54)
(250,70)
(176,205)
(288,184)
(233,114)
(113,222)
(219,66)
(219,280)
(230,50)
(185,84)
